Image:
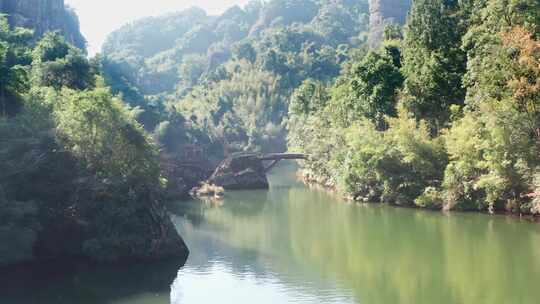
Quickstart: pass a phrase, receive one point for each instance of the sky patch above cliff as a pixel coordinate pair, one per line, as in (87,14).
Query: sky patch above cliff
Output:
(100,17)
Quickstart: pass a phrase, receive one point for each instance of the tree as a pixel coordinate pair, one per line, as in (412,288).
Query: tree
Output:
(99,130)
(525,81)
(434,62)
(368,91)
(239,110)
(245,51)
(309,98)
(494,147)
(335,21)
(393,31)
(192,68)
(58,64)
(13,57)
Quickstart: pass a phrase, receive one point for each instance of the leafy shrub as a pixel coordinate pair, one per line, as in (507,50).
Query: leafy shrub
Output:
(399,163)
(431,199)
(493,158)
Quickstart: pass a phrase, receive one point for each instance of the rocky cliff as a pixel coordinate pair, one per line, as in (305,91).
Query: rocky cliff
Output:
(382,12)
(43,16)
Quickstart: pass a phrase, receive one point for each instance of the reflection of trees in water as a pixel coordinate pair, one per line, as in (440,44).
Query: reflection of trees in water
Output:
(250,235)
(192,211)
(383,254)
(246,203)
(240,203)
(79,282)
(209,229)
(389,255)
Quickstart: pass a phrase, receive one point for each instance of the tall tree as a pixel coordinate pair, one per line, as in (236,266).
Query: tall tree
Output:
(58,64)
(369,90)
(434,62)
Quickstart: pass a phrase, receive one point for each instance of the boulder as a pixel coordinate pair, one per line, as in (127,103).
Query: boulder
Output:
(244,171)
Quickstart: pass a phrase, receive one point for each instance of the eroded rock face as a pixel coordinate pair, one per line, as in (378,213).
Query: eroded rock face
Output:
(43,16)
(241,172)
(383,12)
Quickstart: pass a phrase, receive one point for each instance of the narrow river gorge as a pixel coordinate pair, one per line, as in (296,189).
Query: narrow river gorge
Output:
(293,244)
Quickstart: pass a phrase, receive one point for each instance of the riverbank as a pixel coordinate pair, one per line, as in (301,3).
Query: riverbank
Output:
(323,184)
(293,244)
(299,245)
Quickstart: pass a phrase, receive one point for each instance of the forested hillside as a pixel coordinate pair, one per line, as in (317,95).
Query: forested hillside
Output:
(444,115)
(232,75)
(78,175)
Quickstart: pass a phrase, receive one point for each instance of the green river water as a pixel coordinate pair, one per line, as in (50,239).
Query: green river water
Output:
(292,244)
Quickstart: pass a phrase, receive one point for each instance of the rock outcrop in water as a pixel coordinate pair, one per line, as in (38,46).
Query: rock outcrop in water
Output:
(247,171)
(383,12)
(65,212)
(43,16)
(241,172)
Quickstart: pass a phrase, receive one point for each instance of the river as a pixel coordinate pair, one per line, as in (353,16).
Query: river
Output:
(292,244)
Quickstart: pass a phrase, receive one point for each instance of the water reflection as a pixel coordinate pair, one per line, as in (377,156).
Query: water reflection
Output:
(292,245)
(76,281)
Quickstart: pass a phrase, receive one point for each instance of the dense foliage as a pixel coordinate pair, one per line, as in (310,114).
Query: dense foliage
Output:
(78,174)
(443,116)
(13,56)
(232,73)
